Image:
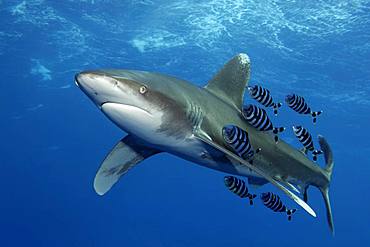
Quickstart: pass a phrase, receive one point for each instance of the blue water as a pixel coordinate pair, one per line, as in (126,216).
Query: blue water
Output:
(53,138)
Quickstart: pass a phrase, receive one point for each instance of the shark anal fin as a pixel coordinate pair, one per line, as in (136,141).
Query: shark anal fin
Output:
(260,172)
(125,154)
(230,82)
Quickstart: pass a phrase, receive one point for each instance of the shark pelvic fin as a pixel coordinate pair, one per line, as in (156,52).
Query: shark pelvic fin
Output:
(124,155)
(230,82)
(260,172)
(291,186)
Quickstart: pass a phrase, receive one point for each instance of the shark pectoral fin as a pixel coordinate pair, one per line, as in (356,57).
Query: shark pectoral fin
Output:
(230,82)
(260,172)
(124,155)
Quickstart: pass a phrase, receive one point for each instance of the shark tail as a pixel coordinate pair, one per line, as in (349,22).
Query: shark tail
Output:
(328,169)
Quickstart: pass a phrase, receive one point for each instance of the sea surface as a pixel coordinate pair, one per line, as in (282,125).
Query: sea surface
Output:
(53,138)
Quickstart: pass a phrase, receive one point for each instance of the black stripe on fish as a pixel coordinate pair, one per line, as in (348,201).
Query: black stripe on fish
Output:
(306,139)
(258,118)
(298,104)
(274,203)
(263,96)
(238,187)
(237,140)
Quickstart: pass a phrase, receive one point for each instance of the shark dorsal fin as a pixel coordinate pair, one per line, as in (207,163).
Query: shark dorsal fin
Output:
(230,82)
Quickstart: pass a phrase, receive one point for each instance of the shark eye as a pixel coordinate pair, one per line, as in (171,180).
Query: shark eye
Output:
(143,89)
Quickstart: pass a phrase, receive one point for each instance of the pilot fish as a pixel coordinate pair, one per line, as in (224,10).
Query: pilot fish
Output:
(298,104)
(238,187)
(237,139)
(258,118)
(274,203)
(263,96)
(306,139)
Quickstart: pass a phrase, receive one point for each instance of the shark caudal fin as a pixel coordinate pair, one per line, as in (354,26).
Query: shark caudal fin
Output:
(328,155)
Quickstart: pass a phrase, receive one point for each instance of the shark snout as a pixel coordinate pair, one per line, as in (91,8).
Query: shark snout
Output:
(99,87)
(87,82)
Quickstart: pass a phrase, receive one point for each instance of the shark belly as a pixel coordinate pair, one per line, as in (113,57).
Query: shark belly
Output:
(197,152)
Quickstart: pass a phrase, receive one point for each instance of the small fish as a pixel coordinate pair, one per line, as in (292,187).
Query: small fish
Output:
(237,139)
(306,139)
(274,203)
(258,118)
(238,187)
(298,104)
(263,96)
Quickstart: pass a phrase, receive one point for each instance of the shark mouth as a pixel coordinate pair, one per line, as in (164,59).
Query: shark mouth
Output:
(123,107)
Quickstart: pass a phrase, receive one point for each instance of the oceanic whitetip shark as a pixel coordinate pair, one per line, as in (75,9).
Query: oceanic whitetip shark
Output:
(161,113)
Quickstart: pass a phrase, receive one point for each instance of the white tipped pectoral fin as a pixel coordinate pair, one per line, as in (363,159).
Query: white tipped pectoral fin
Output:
(125,155)
(290,194)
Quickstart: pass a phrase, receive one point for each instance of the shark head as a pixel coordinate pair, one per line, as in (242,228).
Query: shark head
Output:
(132,101)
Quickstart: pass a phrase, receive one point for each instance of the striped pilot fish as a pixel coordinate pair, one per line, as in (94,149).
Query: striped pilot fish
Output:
(258,118)
(299,104)
(306,139)
(263,96)
(274,203)
(237,140)
(238,187)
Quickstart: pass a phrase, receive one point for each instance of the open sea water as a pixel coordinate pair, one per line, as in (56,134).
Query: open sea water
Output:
(53,139)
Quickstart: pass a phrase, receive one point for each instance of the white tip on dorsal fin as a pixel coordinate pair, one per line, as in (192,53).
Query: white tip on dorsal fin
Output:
(230,82)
